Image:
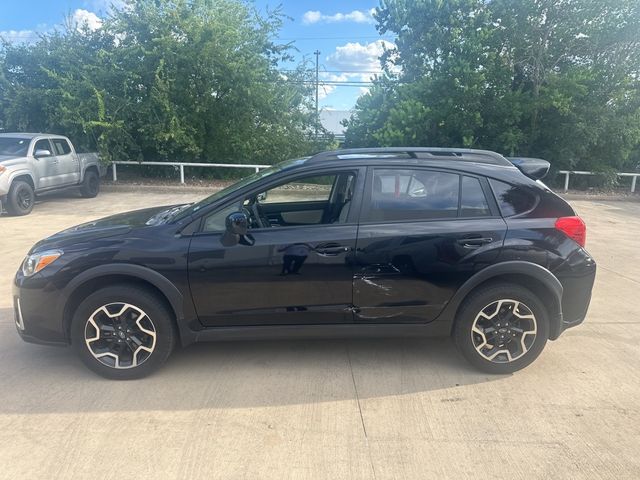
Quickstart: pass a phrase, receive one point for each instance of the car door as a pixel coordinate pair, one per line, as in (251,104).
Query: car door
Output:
(422,234)
(46,166)
(295,268)
(66,162)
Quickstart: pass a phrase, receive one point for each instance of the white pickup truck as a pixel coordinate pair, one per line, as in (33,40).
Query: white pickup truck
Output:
(33,163)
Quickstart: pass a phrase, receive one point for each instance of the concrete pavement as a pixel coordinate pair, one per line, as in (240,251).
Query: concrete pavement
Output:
(374,409)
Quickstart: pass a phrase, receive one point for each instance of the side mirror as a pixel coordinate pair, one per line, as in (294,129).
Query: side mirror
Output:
(42,153)
(261,197)
(237,223)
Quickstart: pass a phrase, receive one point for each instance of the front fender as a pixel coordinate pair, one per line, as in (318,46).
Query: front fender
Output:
(168,289)
(8,177)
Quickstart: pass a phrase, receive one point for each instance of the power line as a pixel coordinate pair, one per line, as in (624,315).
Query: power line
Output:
(378,37)
(334,71)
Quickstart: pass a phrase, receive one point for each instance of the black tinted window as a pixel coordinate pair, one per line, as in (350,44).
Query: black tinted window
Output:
(473,202)
(61,146)
(512,200)
(13,146)
(413,195)
(41,145)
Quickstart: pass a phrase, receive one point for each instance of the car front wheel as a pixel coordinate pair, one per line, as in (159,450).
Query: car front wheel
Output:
(501,328)
(123,332)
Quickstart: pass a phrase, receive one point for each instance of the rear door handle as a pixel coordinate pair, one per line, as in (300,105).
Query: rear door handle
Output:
(474,242)
(330,249)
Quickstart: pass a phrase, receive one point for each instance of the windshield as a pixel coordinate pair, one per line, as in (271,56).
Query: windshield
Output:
(14,146)
(193,208)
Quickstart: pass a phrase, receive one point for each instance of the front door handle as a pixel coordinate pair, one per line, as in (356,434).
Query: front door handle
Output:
(474,242)
(330,249)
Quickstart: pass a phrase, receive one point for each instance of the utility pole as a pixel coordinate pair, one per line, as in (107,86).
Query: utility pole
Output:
(317,54)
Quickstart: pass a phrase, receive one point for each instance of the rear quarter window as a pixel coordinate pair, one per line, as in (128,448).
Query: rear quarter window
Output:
(511,199)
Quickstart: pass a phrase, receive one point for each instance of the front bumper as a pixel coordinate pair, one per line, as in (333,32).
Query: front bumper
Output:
(36,310)
(5,184)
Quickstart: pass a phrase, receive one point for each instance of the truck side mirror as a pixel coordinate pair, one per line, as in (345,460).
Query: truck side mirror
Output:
(42,153)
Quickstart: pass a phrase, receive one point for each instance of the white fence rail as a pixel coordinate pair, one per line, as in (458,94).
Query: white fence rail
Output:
(567,173)
(181,166)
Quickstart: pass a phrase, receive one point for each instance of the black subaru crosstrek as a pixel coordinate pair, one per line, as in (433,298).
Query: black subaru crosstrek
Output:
(351,243)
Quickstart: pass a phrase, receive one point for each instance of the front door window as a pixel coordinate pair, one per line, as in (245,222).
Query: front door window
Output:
(295,267)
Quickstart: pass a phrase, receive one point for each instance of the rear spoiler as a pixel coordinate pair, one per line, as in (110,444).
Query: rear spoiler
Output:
(534,168)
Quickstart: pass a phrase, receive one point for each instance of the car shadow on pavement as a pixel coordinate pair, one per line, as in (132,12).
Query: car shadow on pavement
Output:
(39,379)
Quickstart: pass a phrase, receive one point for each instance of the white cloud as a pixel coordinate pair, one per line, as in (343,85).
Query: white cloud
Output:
(326,89)
(354,63)
(355,56)
(83,18)
(19,36)
(105,6)
(357,16)
(79,19)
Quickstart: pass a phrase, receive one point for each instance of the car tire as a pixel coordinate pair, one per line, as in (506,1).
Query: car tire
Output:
(501,328)
(90,186)
(20,199)
(123,332)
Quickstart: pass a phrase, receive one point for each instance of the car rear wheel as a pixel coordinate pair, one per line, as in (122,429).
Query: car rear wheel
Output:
(501,328)
(90,186)
(123,332)
(20,198)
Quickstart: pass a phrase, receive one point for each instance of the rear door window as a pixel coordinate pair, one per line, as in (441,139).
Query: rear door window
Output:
(61,146)
(473,202)
(412,195)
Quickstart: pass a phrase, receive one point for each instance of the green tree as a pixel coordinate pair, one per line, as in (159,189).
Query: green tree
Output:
(558,79)
(182,80)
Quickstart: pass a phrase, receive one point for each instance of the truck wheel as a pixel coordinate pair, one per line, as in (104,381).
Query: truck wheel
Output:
(20,198)
(90,185)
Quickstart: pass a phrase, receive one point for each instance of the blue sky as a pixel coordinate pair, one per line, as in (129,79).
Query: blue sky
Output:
(343,31)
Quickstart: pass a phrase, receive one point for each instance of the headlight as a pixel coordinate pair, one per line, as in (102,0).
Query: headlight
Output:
(36,262)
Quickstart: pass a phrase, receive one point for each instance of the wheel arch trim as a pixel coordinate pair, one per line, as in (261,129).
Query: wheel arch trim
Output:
(86,168)
(138,272)
(23,173)
(516,267)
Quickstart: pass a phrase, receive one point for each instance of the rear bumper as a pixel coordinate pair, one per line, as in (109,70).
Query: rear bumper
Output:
(577,283)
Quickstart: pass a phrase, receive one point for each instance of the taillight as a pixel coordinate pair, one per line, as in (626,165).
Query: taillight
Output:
(574,228)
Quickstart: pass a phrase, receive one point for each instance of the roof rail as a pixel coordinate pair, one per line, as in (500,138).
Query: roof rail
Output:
(435,153)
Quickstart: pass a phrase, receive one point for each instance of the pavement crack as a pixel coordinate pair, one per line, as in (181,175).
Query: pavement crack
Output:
(364,427)
(619,274)
(355,389)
